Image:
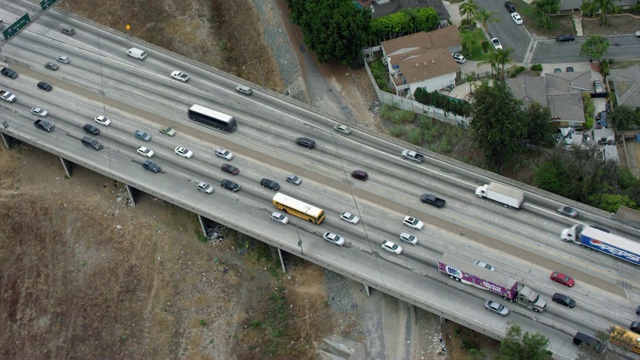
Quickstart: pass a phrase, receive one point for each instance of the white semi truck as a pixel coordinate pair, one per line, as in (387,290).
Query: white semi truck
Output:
(507,196)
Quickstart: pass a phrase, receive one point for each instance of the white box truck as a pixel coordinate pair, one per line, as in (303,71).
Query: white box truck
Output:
(507,196)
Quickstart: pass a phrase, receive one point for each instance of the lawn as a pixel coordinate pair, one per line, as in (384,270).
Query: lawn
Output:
(561,24)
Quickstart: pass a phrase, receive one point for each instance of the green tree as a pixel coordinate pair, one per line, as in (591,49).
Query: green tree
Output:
(551,176)
(470,42)
(603,6)
(625,118)
(522,345)
(498,122)
(335,30)
(612,202)
(539,130)
(595,47)
(469,9)
(424,19)
(547,7)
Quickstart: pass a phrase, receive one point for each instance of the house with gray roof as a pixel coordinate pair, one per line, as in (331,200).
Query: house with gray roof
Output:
(560,92)
(626,82)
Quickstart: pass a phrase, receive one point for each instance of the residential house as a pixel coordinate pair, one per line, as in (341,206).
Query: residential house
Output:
(626,83)
(381,8)
(560,92)
(422,60)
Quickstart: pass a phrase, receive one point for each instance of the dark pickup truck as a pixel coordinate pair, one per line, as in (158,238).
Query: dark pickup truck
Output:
(433,200)
(44,125)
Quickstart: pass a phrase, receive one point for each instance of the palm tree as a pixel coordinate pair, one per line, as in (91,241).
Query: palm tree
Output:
(547,7)
(469,8)
(492,60)
(485,16)
(605,7)
(503,57)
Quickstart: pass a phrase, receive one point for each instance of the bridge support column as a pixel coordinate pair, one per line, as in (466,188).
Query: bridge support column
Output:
(284,269)
(202,227)
(366,289)
(66,165)
(131,191)
(6,140)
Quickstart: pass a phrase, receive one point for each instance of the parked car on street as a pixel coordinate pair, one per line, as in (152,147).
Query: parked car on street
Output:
(510,7)
(459,58)
(496,44)
(517,18)
(565,37)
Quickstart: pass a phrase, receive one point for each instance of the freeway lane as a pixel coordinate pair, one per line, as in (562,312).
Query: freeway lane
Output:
(178,193)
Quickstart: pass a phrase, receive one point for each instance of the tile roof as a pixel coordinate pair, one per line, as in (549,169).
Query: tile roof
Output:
(430,64)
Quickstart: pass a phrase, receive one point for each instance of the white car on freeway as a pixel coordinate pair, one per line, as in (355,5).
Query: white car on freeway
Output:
(349,217)
(484,265)
(413,223)
(225,154)
(184,152)
(279,217)
(333,238)
(145,151)
(411,239)
(39,111)
(103,120)
(392,247)
(205,188)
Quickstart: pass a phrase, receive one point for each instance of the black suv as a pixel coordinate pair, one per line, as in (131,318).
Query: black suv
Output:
(270,184)
(306,142)
(510,7)
(88,128)
(9,73)
(151,166)
(230,185)
(565,37)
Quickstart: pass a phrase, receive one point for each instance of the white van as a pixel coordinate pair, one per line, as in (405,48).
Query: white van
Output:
(137,53)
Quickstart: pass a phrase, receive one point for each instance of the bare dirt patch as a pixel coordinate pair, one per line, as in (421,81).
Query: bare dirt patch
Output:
(83,273)
(618,24)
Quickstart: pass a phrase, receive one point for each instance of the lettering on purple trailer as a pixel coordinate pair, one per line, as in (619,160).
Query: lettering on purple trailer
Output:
(453,271)
(610,249)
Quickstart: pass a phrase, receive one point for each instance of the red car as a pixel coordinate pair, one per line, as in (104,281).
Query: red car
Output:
(228,168)
(561,278)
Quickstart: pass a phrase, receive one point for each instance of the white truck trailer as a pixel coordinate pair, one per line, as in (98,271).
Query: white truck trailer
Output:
(507,196)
